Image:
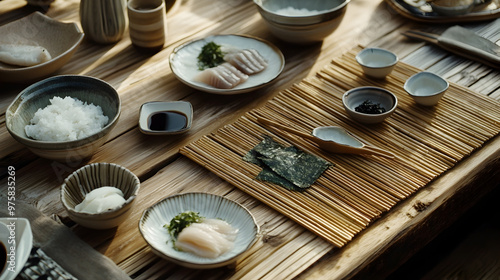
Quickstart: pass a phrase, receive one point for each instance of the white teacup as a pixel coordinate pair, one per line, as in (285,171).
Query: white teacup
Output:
(147,23)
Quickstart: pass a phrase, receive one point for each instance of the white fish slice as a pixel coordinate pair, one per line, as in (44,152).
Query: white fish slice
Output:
(23,55)
(224,76)
(248,61)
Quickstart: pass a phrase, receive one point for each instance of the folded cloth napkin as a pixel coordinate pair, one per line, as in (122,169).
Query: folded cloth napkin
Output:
(61,245)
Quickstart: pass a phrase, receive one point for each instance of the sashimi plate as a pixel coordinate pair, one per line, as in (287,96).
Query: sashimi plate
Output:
(184,59)
(151,226)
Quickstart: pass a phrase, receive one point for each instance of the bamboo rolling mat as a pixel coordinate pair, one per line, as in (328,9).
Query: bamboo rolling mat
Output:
(359,188)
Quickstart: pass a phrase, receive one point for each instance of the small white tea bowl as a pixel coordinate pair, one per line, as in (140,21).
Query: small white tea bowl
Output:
(426,88)
(376,62)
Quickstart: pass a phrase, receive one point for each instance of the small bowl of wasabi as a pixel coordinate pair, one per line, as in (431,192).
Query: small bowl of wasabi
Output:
(376,62)
(100,195)
(426,88)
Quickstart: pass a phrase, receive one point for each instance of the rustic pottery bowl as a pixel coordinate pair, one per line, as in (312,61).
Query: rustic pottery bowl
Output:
(60,39)
(426,88)
(356,96)
(87,89)
(94,176)
(208,206)
(376,62)
(302,22)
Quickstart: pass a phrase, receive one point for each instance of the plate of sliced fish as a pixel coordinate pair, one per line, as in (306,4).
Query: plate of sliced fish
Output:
(244,63)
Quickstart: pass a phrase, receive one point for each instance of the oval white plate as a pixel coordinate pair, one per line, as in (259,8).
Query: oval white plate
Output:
(209,206)
(184,59)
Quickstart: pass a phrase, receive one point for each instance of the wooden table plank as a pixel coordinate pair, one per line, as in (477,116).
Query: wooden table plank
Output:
(140,78)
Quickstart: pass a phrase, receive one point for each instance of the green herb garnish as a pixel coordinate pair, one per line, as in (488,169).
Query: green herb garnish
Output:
(210,56)
(181,221)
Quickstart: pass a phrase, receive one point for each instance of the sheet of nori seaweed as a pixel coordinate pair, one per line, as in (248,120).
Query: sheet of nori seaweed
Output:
(300,168)
(270,176)
(286,166)
(266,148)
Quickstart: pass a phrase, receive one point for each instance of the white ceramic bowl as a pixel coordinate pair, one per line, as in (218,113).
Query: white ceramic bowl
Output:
(376,62)
(426,88)
(61,40)
(87,89)
(302,22)
(93,176)
(356,96)
(208,206)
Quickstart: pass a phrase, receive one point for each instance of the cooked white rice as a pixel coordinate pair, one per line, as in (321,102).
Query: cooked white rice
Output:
(66,119)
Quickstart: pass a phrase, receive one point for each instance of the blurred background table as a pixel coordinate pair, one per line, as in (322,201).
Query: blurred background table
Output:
(285,250)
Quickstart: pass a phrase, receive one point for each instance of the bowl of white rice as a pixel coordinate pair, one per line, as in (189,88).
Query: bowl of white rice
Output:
(302,22)
(64,118)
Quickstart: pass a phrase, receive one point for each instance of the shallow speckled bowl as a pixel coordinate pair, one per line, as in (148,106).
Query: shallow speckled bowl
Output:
(356,96)
(208,206)
(60,39)
(87,89)
(94,176)
(307,22)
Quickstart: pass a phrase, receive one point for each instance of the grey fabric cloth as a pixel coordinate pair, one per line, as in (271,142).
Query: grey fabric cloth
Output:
(64,247)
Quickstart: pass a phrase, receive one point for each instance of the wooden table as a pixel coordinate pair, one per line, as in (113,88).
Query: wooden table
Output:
(285,250)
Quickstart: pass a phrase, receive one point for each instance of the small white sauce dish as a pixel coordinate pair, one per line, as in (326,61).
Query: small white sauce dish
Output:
(209,206)
(376,62)
(163,118)
(356,96)
(426,88)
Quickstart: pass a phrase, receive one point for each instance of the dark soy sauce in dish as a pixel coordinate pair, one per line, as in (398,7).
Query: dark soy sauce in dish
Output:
(167,121)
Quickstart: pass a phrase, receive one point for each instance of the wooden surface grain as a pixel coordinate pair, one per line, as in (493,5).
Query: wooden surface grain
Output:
(285,250)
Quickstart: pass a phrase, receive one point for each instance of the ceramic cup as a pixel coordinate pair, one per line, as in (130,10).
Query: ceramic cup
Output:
(147,23)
